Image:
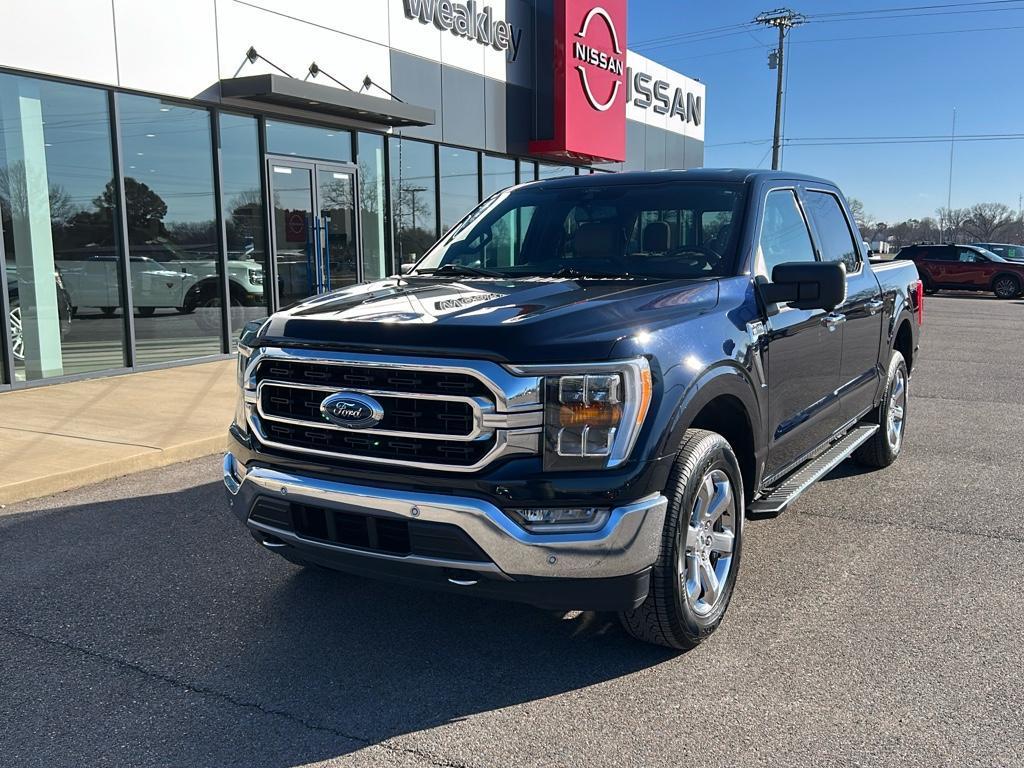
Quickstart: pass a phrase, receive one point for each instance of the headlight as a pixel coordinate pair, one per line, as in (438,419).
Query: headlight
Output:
(256,276)
(594,414)
(245,351)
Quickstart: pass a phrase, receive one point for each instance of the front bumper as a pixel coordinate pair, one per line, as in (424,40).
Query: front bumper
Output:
(627,545)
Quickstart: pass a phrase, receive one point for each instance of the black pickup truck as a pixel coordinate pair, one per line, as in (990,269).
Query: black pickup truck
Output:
(579,394)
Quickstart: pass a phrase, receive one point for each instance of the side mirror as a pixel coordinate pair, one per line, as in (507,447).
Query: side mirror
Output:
(806,285)
(407,267)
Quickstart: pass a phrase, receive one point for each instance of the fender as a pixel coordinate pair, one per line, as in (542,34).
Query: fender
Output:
(722,378)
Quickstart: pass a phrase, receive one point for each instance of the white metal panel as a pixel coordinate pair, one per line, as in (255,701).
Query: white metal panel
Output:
(413,36)
(367,19)
(167,48)
(69,39)
(293,45)
(689,86)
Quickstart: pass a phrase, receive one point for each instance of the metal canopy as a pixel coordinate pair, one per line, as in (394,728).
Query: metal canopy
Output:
(325,99)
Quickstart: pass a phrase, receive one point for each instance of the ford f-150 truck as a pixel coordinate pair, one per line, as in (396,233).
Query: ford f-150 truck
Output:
(577,396)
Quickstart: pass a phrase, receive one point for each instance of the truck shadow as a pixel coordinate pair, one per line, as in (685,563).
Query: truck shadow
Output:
(166,594)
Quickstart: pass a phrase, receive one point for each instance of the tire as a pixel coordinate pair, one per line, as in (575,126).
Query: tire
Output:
(188,309)
(885,445)
(676,612)
(1006,287)
(108,311)
(928,285)
(146,311)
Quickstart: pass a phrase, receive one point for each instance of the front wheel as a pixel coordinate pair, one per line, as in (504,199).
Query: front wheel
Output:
(693,578)
(883,448)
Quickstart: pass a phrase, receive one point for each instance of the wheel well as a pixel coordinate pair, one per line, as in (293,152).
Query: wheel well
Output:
(905,343)
(1013,276)
(726,415)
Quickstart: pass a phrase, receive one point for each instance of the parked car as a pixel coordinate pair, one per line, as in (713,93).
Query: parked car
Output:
(15,316)
(576,397)
(965,268)
(1009,252)
(163,275)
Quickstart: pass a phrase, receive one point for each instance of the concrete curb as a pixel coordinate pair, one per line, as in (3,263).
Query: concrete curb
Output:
(146,458)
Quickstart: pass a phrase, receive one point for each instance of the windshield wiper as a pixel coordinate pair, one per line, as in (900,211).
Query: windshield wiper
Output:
(461,269)
(573,273)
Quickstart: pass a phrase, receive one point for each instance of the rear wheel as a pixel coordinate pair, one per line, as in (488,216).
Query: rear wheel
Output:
(891,415)
(693,578)
(1006,287)
(928,285)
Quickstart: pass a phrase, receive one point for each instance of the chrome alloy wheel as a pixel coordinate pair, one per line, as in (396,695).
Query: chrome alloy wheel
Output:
(897,410)
(17,334)
(1005,288)
(705,562)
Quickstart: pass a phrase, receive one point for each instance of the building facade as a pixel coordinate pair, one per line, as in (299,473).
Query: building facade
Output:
(169,171)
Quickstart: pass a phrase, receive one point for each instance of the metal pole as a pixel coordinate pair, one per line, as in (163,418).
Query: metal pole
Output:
(949,188)
(778,100)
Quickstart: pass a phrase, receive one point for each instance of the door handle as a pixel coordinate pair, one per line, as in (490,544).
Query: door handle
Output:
(833,320)
(874,306)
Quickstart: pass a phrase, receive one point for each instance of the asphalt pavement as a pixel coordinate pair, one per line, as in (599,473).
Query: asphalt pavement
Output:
(877,622)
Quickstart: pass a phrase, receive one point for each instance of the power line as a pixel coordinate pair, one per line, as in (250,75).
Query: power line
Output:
(913,8)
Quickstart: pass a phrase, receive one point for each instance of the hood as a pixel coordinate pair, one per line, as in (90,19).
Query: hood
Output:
(515,320)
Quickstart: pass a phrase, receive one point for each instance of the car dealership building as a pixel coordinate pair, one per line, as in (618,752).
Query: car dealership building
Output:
(170,170)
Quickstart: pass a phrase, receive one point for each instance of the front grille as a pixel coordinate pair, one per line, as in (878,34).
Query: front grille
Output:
(377,378)
(387,535)
(437,414)
(401,414)
(366,444)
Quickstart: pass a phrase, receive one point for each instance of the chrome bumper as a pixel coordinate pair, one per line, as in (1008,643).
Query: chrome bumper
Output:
(628,542)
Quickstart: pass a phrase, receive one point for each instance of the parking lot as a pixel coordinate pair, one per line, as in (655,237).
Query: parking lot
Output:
(878,621)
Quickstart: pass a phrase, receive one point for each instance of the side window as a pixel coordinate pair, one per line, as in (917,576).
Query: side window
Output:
(837,243)
(784,235)
(968,257)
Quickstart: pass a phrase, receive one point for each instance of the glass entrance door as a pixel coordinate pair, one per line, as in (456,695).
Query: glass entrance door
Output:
(315,243)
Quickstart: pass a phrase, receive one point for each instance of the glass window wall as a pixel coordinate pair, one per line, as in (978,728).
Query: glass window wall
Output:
(371,205)
(460,185)
(413,192)
(242,191)
(314,141)
(57,215)
(499,173)
(172,232)
(548,171)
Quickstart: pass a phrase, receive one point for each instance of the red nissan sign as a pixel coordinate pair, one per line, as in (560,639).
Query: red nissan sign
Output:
(590,82)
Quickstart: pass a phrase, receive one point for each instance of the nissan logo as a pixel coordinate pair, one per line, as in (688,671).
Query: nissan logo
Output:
(596,59)
(351,410)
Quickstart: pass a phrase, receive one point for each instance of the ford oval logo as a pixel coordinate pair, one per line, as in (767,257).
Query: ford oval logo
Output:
(352,410)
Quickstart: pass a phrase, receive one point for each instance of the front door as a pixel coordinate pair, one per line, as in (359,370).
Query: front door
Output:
(315,241)
(804,350)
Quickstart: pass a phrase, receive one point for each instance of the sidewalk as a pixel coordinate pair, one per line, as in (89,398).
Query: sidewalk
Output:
(69,435)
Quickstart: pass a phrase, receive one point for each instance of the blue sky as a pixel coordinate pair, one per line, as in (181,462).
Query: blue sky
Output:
(893,82)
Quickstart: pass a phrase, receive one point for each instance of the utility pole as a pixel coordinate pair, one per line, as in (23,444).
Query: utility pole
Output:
(784,20)
(949,188)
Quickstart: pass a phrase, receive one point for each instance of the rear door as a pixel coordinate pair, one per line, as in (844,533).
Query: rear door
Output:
(859,372)
(804,353)
(973,269)
(938,263)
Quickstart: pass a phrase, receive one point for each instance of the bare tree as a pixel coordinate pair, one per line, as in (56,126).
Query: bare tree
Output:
(951,220)
(988,222)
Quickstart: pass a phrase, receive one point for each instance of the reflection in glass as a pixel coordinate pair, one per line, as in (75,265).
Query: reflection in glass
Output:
(337,228)
(57,216)
(371,205)
(555,171)
(297,266)
(308,141)
(243,220)
(172,235)
(459,185)
(499,173)
(413,189)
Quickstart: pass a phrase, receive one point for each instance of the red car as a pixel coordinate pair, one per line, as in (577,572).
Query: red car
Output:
(965,268)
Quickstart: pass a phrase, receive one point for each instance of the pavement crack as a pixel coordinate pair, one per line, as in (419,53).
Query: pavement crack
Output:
(230,699)
(915,527)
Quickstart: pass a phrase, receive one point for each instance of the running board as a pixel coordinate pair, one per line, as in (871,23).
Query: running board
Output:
(790,488)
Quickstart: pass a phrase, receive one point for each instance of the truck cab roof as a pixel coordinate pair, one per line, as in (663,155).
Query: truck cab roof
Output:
(707,175)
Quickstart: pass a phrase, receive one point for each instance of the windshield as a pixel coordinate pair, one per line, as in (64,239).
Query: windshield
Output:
(664,230)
